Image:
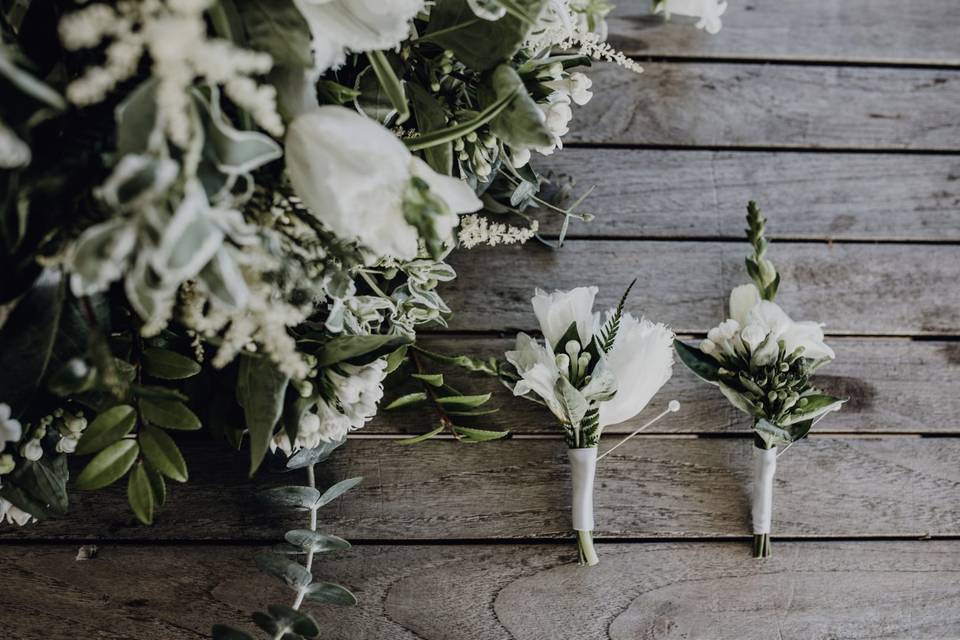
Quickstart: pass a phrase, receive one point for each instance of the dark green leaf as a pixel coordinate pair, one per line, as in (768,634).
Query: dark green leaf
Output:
(75,376)
(697,361)
(140,494)
(338,490)
(107,428)
(296,621)
(169,414)
(391,84)
(278,28)
(109,465)
(162,453)
(260,391)
(490,367)
(521,124)
(168,365)
(157,484)
(315,541)
(422,437)
(473,412)
(464,401)
(291,573)
(330,92)
(433,379)
(330,593)
(431,117)
(407,400)
(358,349)
(38,487)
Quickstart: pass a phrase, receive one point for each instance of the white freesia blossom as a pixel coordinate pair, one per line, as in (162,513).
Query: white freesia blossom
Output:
(14,515)
(357,391)
(557,114)
(10,429)
(339,26)
(353,173)
(708,12)
(577,86)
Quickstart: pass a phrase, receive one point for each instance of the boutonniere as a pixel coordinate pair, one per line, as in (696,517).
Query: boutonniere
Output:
(762,361)
(590,374)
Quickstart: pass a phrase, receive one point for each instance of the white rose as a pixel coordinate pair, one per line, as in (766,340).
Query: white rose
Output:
(352,173)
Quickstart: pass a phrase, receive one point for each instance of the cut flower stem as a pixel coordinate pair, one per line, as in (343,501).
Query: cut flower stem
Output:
(587,554)
(761,545)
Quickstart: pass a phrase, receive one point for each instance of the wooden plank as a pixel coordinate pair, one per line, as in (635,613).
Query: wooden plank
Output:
(875,31)
(649,488)
(687,284)
(894,385)
(484,592)
(782,106)
(702,194)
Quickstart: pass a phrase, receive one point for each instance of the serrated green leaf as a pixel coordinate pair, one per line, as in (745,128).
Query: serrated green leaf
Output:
(107,428)
(315,541)
(169,414)
(140,494)
(697,361)
(330,593)
(422,437)
(432,379)
(162,453)
(338,490)
(223,632)
(168,365)
(292,496)
(407,400)
(464,401)
(109,465)
(291,573)
(479,435)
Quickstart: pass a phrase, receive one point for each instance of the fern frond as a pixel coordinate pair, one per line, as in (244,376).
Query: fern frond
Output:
(610,328)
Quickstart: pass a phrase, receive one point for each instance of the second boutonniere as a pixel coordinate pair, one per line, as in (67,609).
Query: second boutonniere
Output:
(762,361)
(590,374)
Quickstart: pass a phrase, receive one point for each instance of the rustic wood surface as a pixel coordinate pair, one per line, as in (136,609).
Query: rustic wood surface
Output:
(841,119)
(852,590)
(860,31)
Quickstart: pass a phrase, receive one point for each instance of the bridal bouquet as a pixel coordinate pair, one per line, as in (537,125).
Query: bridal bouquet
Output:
(589,374)
(762,361)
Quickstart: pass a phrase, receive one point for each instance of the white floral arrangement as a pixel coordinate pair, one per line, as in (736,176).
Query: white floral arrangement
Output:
(233,215)
(762,362)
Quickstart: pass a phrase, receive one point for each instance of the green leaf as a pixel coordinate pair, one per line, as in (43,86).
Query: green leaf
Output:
(447,134)
(813,405)
(338,490)
(223,632)
(315,541)
(140,494)
(521,124)
(432,379)
(306,457)
(771,434)
(161,451)
(109,465)
(293,496)
(407,400)
(169,414)
(422,437)
(430,116)
(358,349)
(38,487)
(260,391)
(293,620)
(157,484)
(479,435)
(490,367)
(292,574)
(75,376)
(610,329)
(738,400)
(391,84)
(697,361)
(330,593)
(480,44)
(168,365)
(107,428)
(464,401)
(330,92)
(471,413)
(278,28)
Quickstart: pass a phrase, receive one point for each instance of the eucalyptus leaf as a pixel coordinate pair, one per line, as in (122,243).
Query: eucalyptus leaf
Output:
(307,457)
(162,453)
(107,428)
(296,621)
(261,387)
(329,593)
(407,400)
(291,573)
(169,414)
(109,465)
(292,496)
(168,365)
(140,494)
(422,437)
(308,540)
(338,490)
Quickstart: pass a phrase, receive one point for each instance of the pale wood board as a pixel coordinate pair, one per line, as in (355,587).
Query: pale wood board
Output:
(894,385)
(871,31)
(644,193)
(651,487)
(697,591)
(776,106)
(849,287)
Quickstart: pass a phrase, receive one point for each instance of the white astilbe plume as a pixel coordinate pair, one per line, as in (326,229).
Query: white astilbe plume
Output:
(478,230)
(174,35)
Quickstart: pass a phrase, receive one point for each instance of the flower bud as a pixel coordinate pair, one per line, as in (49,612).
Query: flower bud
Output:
(7,464)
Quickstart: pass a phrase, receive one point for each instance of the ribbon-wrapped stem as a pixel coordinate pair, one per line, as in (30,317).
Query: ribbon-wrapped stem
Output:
(583,466)
(765,466)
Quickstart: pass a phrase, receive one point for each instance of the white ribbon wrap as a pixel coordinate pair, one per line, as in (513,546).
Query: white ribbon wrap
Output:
(583,465)
(764,467)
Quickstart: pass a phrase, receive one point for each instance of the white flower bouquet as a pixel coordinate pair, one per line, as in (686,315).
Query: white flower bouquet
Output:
(590,374)
(762,361)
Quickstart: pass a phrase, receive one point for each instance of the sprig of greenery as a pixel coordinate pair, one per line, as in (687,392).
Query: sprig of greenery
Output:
(761,270)
(610,329)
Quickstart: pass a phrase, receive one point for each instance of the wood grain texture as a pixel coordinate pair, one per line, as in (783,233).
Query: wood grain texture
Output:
(877,31)
(697,591)
(686,284)
(782,106)
(652,487)
(703,194)
(894,385)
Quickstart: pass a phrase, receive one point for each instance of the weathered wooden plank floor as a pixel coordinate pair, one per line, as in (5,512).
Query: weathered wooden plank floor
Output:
(843,121)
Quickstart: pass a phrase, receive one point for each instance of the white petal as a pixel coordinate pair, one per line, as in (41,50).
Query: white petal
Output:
(558,310)
(808,335)
(455,192)
(742,300)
